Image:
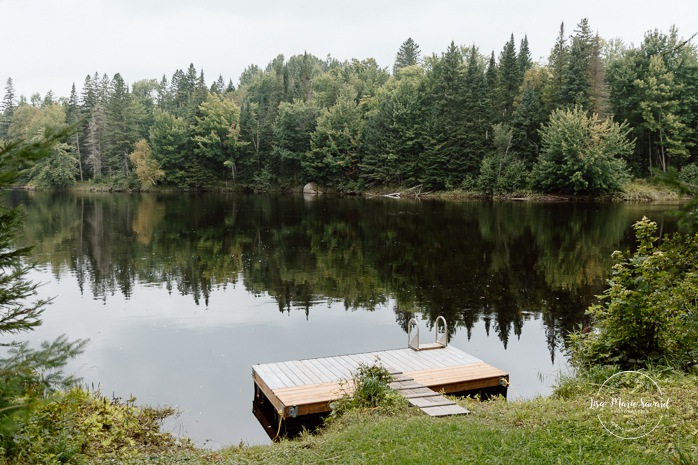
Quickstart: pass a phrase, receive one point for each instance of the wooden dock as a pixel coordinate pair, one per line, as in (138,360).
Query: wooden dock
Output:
(305,387)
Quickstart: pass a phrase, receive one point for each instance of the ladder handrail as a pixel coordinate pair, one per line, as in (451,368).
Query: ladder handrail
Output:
(443,340)
(440,330)
(412,343)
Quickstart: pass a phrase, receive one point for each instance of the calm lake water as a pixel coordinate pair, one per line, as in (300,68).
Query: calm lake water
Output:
(180,294)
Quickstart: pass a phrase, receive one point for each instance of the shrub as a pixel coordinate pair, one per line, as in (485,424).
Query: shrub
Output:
(81,426)
(368,389)
(689,174)
(649,312)
(581,155)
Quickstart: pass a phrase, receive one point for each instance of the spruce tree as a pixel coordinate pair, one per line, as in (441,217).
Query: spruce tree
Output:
(120,133)
(524,57)
(509,81)
(557,65)
(598,90)
(73,116)
(445,164)
(576,88)
(28,374)
(407,55)
(7,109)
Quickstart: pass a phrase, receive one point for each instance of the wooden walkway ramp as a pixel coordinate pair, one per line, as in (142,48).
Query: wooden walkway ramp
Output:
(304,387)
(428,401)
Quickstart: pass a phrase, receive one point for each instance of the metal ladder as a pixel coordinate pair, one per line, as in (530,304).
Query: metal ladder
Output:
(441,333)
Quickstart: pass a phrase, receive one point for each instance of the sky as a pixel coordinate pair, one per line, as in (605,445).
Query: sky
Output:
(51,44)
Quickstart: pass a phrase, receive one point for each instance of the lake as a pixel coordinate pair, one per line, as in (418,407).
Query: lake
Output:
(180,294)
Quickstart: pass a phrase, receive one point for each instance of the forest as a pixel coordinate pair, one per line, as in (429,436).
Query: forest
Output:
(597,114)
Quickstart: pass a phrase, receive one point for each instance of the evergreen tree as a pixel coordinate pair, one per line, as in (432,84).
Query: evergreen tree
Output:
(27,374)
(476,110)
(528,117)
(94,140)
(491,78)
(445,162)
(120,133)
(524,58)
(509,80)
(407,55)
(165,99)
(598,90)
(577,88)
(73,116)
(293,127)
(557,65)
(7,109)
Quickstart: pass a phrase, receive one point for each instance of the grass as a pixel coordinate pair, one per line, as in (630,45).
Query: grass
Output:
(642,190)
(560,429)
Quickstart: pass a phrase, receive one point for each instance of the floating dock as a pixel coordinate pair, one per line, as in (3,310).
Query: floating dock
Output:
(303,388)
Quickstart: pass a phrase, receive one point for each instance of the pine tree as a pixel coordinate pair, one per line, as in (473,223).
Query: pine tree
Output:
(445,162)
(407,55)
(73,116)
(576,88)
(598,90)
(509,81)
(524,57)
(7,109)
(557,64)
(476,111)
(491,78)
(27,374)
(119,132)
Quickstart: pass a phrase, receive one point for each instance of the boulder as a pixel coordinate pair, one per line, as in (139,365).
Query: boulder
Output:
(311,188)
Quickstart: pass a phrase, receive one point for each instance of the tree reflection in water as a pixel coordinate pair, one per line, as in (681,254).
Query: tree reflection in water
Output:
(502,263)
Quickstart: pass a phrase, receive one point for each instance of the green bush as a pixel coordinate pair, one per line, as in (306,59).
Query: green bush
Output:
(581,155)
(649,313)
(689,174)
(369,389)
(504,176)
(500,171)
(81,426)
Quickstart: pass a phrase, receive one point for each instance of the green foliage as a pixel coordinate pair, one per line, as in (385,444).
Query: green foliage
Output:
(649,312)
(689,174)
(436,134)
(543,430)
(369,389)
(168,142)
(81,426)
(581,154)
(653,88)
(684,183)
(501,172)
(334,155)
(27,374)
(407,55)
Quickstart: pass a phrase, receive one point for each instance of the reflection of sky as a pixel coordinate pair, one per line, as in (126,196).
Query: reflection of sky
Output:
(165,350)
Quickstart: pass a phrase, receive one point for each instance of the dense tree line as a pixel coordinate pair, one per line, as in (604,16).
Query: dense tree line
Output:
(461,119)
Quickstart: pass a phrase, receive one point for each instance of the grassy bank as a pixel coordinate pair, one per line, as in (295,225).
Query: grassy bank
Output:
(558,429)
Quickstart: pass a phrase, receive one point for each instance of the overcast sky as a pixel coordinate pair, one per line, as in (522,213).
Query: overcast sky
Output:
(50,44)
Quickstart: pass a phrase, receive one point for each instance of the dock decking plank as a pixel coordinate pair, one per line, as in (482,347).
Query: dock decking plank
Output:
(327,375)
(304,372)
(273,379)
